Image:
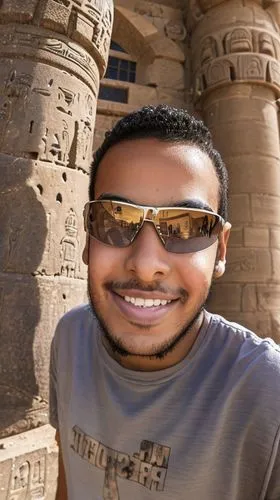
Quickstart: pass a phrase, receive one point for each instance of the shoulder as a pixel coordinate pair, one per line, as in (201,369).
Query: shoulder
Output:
(241,335)
(250,354)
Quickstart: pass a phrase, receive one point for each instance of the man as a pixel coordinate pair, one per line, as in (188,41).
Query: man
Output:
(153,397)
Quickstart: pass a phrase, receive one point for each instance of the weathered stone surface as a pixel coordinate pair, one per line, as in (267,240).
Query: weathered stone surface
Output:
(49,81)
(249,298)
(275,238)
(275,264)
(266,208)
(54,241)
(248,265)
(268,297)
(239,208)
(256,237)
(224,298)
(30,308)
(28,465)
(236,237)
(165,74)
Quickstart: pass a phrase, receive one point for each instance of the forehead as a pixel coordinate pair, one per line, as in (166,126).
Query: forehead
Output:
(153,172)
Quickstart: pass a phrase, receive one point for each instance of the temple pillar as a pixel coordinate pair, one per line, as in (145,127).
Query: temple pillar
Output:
(236,82)
(52,56)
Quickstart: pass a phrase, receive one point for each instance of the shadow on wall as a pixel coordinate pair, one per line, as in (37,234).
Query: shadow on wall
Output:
(23,231)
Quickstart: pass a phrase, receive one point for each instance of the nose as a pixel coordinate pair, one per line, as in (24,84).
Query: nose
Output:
(147,259)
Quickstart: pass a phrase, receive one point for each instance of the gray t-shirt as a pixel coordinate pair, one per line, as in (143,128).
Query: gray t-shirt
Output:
(204,429)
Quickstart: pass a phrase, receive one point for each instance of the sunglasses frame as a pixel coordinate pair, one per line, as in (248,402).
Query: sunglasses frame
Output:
(153,211)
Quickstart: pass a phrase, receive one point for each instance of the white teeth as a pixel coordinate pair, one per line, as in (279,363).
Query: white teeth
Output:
(139,302)
(149,303)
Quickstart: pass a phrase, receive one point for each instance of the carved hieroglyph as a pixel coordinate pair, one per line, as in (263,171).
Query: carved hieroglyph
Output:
(52,56)
(236,85)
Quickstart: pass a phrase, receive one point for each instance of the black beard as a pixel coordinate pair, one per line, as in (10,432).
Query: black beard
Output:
(117,347)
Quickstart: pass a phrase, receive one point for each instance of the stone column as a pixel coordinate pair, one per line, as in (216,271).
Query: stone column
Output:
(52,56)
(236,74)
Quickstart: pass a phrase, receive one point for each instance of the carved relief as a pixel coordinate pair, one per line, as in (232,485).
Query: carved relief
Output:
(195,10)
(247,263)
(67,50)
(238,40)
(70,246)
(28,480)
(175,30)
(220,71)
(251,68)
(101,15)
(225,58)
(273,71)
(208,49)
(266,44)
(55,146)
(66,98)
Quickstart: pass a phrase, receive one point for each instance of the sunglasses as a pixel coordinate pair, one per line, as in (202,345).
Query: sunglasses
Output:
(181,230)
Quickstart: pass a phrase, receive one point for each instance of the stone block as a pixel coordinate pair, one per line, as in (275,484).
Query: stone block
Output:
(265,208)
(28,465)
(173,97)
(163,73)
(167,49)
(246,265)
(236,237)
(83,31)
(155,10)
(275,326)
(104,122)
(257,140)
(55,16)
(257,322)
(275,264)
(23,12)
(275,238)
(231,109)
(256,237)
(268,297)
(139,95)
(239,208)
(132,31)
(224,297)
(252,172)
(249,298)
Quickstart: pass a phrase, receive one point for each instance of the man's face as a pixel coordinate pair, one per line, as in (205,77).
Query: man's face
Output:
(152,173)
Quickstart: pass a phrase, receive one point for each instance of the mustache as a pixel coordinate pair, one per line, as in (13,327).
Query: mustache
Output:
(156,286)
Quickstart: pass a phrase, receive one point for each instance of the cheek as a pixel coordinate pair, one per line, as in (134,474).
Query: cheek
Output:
(104,262)
(197,271)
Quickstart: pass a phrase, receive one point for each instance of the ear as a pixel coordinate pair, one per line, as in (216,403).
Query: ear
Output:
(86,252)
(220,265)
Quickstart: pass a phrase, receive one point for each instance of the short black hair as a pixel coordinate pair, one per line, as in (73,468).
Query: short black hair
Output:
(168,124)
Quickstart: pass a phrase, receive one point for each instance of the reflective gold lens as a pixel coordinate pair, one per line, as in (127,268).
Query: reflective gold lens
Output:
(114,223)
(185,231)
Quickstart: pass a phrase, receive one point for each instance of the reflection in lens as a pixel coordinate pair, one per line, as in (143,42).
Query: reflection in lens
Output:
(187,231)
(114,223)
